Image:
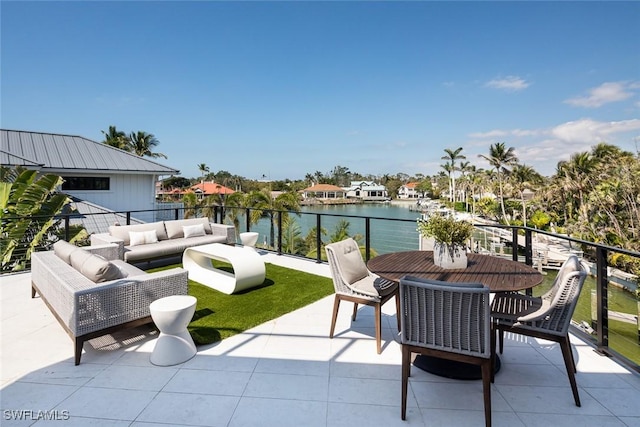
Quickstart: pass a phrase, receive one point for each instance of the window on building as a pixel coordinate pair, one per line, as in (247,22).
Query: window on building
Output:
(93,183)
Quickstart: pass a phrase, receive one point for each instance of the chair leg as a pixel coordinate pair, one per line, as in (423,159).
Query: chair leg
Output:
(355,311)
(568,362)
(501,335)
(494,331)
(487,374)
(406,366)
(336,305)
(378,315)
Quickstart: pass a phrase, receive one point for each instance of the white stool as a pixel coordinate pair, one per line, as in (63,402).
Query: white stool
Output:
(249,239)
(172,315)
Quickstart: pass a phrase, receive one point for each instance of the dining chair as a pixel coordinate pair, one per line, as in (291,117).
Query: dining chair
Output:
(353,282)
(449,321)
(547,317)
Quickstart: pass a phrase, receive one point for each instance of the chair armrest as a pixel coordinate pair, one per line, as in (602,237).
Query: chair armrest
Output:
(109,251)
(105,239)
(228,231)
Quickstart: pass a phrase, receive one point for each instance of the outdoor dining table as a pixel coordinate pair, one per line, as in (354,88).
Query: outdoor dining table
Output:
(497,273)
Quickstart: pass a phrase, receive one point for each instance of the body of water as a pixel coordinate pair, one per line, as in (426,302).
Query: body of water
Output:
(387,235)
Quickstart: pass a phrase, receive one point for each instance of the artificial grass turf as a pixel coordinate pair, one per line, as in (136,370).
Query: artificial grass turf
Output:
(220,316)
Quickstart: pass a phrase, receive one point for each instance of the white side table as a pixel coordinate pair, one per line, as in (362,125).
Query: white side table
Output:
(249,239)
(172,315)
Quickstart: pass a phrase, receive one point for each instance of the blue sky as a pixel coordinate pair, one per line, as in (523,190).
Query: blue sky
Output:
(283,89)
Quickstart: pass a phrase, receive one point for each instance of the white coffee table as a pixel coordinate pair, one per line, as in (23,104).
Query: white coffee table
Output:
(248,267)
(172,316)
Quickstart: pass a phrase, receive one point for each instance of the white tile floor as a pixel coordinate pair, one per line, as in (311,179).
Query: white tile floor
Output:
(286,373)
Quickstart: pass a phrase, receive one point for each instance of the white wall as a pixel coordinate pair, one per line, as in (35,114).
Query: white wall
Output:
(126,193)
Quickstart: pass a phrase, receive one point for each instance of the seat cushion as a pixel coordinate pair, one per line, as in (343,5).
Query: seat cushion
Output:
(122,231)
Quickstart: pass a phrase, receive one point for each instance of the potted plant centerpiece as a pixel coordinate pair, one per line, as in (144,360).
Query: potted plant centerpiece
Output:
(451,236)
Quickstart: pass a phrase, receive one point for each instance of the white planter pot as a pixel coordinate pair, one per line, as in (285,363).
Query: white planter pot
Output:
(449,258)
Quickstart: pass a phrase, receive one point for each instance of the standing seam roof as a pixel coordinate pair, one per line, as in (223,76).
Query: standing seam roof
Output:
(55,151)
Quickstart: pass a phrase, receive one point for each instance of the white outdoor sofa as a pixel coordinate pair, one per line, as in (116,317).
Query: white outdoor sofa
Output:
(92,293)
(162,239)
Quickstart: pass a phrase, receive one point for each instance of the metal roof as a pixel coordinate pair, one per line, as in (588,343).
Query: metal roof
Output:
(67,152)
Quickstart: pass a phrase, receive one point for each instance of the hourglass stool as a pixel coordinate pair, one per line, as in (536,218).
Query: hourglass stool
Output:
(249,239)
(172,315)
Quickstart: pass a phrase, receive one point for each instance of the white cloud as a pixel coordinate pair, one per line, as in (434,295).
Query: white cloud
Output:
(604,94)
(509,83)
(591,131)
(544,148)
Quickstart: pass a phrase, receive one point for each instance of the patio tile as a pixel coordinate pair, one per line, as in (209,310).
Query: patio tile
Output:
(293,367)
(365,391)
(461,417)
(214,362)
(550,400)
(365,370)
(279,386)
(226,383)
(25,396)
(458,395)
(107,403)
(253,411)
(352,414)
(631,421)
(84,421)
(621,402)
(189,409)
(561,420)
(533,375)
(64,373)
(152,378)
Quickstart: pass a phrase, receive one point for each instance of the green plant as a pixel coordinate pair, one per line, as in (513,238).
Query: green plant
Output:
(446,229)
(29,206)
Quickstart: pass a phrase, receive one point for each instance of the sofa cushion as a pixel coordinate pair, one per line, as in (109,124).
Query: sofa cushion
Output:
(64,249)
(94,267)
(165,248)
(122,231)
(174,228)
(193,230)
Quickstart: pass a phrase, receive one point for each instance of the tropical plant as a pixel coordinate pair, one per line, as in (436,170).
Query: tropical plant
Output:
(116,138)
(451,157)
(143,144)
(29,207)
(500,158)
(446,229)
(204,170)
(263,204)
(525,178)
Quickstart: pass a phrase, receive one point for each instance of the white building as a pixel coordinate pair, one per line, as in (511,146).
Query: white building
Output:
(368,191)
(409,191)
(92,171)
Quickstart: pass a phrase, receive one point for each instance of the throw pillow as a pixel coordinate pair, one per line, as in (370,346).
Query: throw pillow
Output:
(352,266)
(150,236)
(193,230)
(136,238)
(63,250)
(94,267)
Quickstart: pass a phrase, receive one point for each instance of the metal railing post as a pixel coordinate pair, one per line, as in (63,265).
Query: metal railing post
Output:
(247,219)
(67,231)
(528,247)
(367,238)
(279,232)
(514,243)
(318,239)
(602,297)
(128,218)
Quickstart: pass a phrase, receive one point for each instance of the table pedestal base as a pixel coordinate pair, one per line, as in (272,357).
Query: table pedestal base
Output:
(451,368)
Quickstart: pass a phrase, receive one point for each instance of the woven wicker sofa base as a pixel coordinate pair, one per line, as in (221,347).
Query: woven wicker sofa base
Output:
(81,339)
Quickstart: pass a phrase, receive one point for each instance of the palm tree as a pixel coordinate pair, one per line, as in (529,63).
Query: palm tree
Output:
(264,205)
(452,156)
(500,158)
(143,143)
(204,169)
(116,138)
(448,168)
(525,177)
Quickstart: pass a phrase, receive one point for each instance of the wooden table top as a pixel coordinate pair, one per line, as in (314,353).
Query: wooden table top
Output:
(497,273)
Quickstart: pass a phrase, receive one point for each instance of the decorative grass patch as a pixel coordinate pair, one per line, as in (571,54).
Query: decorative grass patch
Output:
(219,316)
